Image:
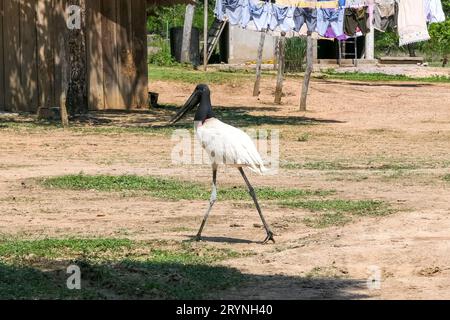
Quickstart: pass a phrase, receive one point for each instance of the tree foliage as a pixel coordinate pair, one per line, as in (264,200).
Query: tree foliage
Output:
(161,19)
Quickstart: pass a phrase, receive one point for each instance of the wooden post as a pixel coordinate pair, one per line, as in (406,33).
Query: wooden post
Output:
(205,36)
(259,64)
(187,31)
(64,82)
(281,66)
(308,71)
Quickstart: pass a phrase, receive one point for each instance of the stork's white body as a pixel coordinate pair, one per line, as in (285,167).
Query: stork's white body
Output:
(225,145)
(228,145)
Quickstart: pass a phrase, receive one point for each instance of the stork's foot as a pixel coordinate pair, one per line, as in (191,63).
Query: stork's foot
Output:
(198,238)
(269,238)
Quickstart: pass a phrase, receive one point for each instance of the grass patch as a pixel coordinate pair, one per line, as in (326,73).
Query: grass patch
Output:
(304,137)
(40,126)
(330,211)
(187,75)
(359,76)
(113,268)
(171,189)
(344,165)
(337,211)
(446,177)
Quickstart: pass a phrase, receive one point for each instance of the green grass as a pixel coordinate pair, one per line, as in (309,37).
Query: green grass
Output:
(331,211)
(447,177)
(171,189)
(359,76)
(113,268)
(42,126)
(338,212)
(187,75)
(342,165)
(304,137)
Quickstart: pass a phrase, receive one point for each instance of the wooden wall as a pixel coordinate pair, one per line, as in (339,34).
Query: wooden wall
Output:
(31,48)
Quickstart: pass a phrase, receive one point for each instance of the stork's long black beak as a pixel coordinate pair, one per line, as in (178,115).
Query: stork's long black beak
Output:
(192,102)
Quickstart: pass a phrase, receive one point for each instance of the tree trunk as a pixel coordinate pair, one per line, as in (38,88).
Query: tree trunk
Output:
(187,31)
(308,71)
(75,49)
(281,65)
(259,64)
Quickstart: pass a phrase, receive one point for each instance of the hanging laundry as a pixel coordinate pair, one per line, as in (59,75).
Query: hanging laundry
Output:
(357,3)
(260,14)
(325,4)
(355,19)
(331,35)
(385,14)
(305,15)
(434,11)
(333,18)
(235,11)
(282,18)
(412,25)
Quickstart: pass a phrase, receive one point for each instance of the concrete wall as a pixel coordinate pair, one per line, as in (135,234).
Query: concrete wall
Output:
(243,45)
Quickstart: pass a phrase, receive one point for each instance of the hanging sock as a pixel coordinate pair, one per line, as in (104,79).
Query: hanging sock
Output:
(412,24)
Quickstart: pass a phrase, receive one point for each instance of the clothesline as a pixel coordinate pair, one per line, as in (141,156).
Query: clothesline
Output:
(337,19)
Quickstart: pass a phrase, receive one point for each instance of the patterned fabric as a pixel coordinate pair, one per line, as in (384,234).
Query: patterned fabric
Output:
(309,4)
(412,26)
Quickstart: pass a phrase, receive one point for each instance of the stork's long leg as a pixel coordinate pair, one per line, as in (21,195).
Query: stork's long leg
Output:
(253,195)
(212,200)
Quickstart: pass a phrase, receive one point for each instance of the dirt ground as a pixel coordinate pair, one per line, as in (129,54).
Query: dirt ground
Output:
(396,136)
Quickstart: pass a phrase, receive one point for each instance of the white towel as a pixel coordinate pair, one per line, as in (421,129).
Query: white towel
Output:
(412,22)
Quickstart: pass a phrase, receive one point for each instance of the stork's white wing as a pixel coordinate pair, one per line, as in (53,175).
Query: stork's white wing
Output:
(228,145)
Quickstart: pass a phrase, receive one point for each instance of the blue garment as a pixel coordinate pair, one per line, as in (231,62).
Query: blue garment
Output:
(237,11)
(333,18)
(305,15)
(282,17)
(260,14)
(341,3)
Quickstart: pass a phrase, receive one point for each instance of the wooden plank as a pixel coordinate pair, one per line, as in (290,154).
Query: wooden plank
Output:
(126,68)
(12,53)
(45,54)
(28,58)
(140,83)
(94,52)
(113,99)
(2,70)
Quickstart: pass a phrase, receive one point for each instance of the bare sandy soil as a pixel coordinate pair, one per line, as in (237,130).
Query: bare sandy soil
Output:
(394,136)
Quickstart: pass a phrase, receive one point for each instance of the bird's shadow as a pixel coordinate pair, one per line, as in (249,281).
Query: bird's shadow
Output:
(223,240)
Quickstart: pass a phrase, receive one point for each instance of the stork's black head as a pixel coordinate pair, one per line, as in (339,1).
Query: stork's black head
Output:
(202,97)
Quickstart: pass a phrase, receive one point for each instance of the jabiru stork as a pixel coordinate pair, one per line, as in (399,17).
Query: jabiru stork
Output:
(225,145)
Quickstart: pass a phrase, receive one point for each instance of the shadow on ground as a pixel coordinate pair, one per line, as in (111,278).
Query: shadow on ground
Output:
(158,118)
(155,280)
